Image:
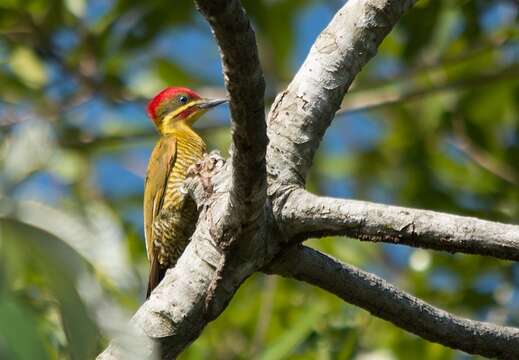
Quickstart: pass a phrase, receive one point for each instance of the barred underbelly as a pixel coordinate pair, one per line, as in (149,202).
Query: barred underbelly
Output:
(173,228)
(188,153)
(176,221)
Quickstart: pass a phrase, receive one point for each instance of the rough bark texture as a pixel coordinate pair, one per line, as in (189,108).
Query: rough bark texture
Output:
(177,309)
(305,215)
(196,290)
(241,231)
(301,114)
(245,210)
(246,86)
(383,300)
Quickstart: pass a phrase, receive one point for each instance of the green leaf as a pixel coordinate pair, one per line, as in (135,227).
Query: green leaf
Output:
(172,73)
(76,7)
(59,267)
(18,328)
(28,67)
(290,339)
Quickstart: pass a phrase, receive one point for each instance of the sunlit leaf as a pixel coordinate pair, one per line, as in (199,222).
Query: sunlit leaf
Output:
(28,67)
(60,267)
(18,328)
(76,7)
(299,330)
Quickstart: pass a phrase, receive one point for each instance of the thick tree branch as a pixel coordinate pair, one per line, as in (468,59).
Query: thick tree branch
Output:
(241,233)
(197,290)
(175,313)
(301,114)
(246,86)
(306,215)
(177,310)
(383,300)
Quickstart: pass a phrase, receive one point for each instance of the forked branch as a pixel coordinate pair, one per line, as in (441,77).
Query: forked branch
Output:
(234,210)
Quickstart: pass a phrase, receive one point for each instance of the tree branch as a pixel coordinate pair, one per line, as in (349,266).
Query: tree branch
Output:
(306,215)
(196,290)
(241,233)
(301,114)
(177,310)
(480,156)
(175,314)
(246,86)
(383,300)
(385,95)
(488,45)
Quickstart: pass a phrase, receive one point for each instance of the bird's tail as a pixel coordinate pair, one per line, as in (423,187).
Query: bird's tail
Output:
(157,272)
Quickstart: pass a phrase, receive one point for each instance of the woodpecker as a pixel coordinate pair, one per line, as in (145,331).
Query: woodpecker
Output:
(169,214)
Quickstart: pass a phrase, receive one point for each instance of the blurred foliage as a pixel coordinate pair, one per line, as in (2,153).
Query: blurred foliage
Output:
(431,122)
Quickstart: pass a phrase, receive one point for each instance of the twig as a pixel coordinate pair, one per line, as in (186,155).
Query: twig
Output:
(372,99)
(480,156)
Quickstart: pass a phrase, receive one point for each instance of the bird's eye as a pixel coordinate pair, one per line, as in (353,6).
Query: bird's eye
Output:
(182,99)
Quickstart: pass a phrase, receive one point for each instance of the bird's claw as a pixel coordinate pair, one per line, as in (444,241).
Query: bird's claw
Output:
(206,165)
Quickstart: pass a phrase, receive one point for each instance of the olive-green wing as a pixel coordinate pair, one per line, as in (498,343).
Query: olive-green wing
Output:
(160,165)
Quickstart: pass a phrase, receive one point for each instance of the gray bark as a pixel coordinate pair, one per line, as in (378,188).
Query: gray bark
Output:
(252,209)
(385,301)
(197,290)
(246,86)
(301,114)
(305,215)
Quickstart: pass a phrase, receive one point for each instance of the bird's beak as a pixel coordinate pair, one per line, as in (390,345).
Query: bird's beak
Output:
(210,103)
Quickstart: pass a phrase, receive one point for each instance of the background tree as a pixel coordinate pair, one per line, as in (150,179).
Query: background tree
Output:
(431,122)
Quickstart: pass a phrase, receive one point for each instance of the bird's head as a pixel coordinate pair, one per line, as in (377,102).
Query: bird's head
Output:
(178,105)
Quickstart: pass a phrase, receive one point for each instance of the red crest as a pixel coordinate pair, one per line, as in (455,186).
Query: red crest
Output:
(166,95)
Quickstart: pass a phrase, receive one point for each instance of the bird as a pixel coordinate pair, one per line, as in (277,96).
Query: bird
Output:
(170,215)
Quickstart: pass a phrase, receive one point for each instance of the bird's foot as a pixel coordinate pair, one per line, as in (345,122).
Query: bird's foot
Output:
(204,169)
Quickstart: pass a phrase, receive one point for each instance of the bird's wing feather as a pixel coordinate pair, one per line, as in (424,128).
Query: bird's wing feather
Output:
(160,164)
